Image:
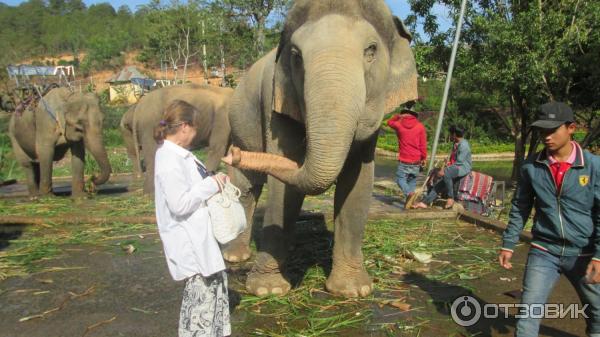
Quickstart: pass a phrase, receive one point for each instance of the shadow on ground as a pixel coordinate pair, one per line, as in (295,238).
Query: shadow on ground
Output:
(443,295)
(8,233)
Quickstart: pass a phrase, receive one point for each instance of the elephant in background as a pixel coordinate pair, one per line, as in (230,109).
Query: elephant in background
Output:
(307,116)
(38,138)
(133,150)
(137,124)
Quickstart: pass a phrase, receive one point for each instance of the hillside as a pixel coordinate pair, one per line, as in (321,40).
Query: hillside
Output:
(194,74)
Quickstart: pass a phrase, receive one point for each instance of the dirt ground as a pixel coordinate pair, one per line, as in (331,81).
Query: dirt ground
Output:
(103,291)
(110,293)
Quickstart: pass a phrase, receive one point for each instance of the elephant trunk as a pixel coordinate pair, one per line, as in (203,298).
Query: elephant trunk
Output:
(334,97)
(94,143)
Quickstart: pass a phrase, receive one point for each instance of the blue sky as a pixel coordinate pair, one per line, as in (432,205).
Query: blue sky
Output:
(400,8)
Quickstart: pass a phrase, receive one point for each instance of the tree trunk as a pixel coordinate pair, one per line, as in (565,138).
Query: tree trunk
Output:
(260,35)
(520,116)
(592,134)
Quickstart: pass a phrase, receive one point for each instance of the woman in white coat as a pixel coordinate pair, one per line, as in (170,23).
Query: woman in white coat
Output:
(182,187)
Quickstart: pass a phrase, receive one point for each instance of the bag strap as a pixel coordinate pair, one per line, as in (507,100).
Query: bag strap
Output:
(219,183)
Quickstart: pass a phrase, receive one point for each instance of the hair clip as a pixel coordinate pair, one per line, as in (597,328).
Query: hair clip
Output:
(163,123)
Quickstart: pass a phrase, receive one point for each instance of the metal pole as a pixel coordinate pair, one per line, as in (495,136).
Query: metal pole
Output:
(204,55)
(447,87)
(221,47)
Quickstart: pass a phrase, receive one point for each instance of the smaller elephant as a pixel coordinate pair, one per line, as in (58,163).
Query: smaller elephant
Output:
(137,124)
(61,121)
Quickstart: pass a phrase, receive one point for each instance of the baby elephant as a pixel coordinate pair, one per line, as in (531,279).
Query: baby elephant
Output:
(62,121)
(137,124)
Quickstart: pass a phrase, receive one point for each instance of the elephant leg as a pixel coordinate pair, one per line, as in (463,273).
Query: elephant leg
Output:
(282,212)
(149,152)
(217,144)
(131,151)
(32,170)
(353,191)
(239,249)
(46,159)
(77,169)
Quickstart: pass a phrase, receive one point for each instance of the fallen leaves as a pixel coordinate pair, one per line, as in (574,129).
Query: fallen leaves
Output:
(396,303)
(129,249)
(93,326)
(421,257)
(61,306)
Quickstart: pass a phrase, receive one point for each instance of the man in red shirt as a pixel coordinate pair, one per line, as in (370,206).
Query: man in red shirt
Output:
(412,148)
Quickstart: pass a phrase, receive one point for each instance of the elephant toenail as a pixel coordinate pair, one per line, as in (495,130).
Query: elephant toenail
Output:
(277,291)
(262,291)
(365,290)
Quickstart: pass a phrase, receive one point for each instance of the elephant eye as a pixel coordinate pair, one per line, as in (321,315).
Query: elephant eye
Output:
(296,56)
(370,52)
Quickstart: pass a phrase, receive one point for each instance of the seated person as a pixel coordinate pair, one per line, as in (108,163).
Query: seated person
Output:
(457,167)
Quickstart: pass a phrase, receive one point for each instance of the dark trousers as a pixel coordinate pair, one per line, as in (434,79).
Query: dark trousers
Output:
(445,185)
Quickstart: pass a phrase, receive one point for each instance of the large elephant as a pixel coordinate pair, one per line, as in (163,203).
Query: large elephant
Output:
(308,116)
(137,124)
(62,121)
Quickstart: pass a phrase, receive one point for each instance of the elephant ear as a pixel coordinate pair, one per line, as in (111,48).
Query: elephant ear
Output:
(285,97)
(73,119)
(402,86)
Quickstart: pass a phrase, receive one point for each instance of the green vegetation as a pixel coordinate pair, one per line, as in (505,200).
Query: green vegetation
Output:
(46,241)
(166,32)
(388,141)
(461,254)
(515,56)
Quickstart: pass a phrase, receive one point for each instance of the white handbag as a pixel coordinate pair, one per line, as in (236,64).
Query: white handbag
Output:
(226,213)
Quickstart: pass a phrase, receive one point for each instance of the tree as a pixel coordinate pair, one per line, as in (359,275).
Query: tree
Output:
(174,32)
(526,53)
(257,11)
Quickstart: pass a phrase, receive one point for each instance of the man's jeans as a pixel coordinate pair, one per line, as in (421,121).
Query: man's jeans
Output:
(444,185)
(541,273)
(407,177)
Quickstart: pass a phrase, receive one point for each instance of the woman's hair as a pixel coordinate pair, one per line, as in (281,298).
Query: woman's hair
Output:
(457,130)
(176,114)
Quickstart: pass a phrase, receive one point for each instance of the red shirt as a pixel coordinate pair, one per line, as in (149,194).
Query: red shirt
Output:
(559,169)
(452,159)
(412,138)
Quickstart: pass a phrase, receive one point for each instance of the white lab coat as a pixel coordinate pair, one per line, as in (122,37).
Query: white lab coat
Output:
(181,213)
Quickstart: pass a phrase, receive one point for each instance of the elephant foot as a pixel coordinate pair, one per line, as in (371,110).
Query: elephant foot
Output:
(236,252)
(349,282)
(264,284)
(75,194)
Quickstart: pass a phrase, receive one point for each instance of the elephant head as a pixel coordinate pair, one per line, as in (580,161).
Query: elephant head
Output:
(83,121)
(340,66)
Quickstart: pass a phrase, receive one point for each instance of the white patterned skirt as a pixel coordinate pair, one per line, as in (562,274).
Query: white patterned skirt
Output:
(205,307)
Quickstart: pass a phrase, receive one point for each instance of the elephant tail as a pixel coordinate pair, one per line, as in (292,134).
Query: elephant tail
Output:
(136,142)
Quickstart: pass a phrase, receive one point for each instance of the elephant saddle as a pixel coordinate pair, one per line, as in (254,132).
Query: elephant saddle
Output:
(32,101)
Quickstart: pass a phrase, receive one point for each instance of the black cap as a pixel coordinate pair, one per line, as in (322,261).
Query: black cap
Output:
(408,108)
(409,111)
(553,115)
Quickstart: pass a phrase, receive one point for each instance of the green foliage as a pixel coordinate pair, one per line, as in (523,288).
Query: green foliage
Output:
(9,167)
(103,51)
(36,28)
